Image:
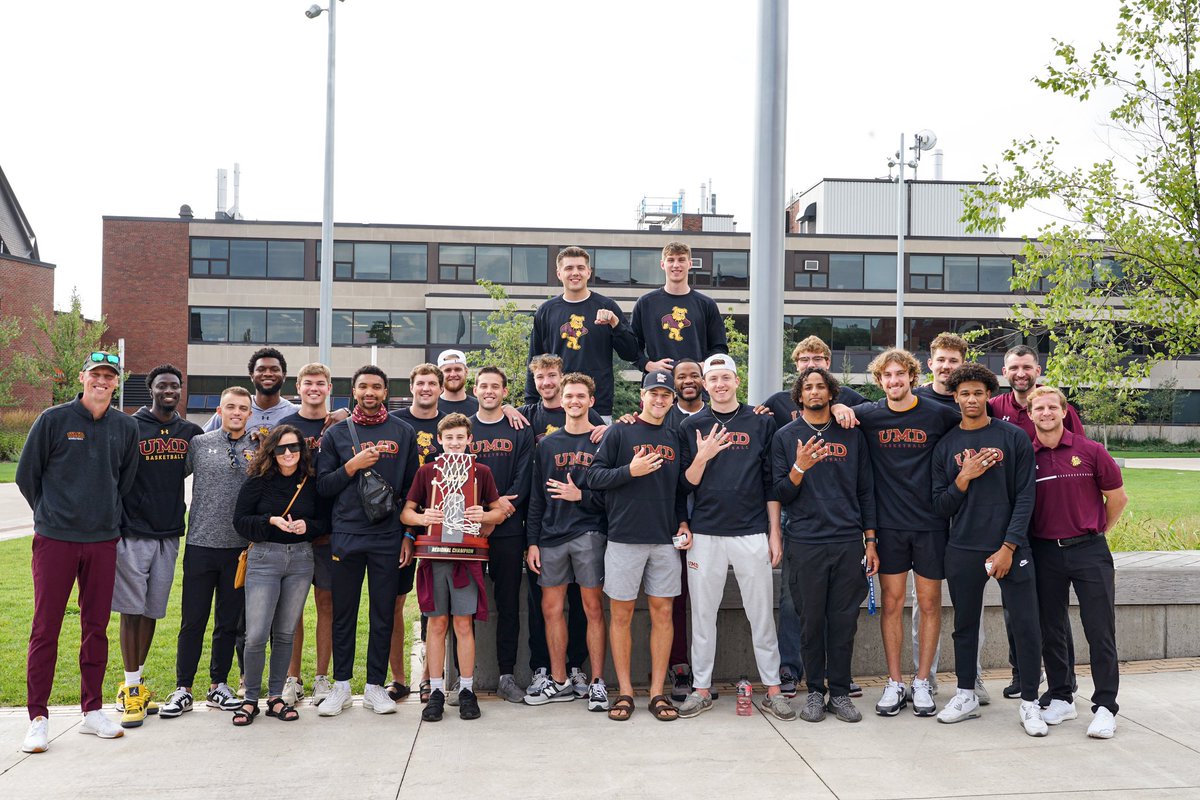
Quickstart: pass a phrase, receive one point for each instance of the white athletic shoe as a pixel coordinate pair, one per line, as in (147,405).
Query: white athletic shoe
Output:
(922,698)
(375,698)
(981,692)
(961,707)
(1031,718)
(541,676)
(293,691)
(893,699)
(578,681)
(37,738)
(96,724)
(1104,724)
(337,700)
(598,696)
(1059,711)
(321,689)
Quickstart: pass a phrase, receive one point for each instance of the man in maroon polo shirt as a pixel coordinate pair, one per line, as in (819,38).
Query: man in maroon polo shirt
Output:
(1080,495)
(1022,370)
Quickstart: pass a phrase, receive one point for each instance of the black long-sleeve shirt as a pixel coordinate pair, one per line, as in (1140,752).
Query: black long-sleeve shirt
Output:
(785,411)
(835,501)
(646,509)
(677,326)
(546,421)
(901,444)
(731,498)
(263,497)
(553,522)
(426,432)
(998,505)
(569,330)
(397,465)
(508,453)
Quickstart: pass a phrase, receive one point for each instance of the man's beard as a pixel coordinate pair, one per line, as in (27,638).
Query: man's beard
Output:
(268,391)
(810,406)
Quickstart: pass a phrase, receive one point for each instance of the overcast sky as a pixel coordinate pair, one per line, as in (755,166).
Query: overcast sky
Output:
(540,114)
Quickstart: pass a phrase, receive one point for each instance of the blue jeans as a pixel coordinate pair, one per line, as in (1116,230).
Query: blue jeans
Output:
(277,581)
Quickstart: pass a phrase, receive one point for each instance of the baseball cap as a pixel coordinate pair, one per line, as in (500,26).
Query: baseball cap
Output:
(659,379)
(451,357)
(102,359)
(719,361)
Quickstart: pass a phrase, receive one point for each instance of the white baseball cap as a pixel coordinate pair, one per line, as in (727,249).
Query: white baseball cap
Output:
(719,361)
(451,357)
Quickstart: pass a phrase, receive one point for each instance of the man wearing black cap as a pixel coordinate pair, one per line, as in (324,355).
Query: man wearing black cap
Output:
(79,460)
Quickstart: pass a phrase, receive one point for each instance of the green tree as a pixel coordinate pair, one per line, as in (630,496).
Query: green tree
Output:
(1108,407)
(508,328)
(1120,266)
(739,350)
(1159,403)
(71,338)
(10,331)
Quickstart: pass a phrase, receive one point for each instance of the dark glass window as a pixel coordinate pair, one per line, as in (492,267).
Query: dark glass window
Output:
(247,258)
(850,333)
(408,327)
(409,262)
(529,264)
(493,264)
(731,269)
(209,325)
(879,272)
(802,327)
(379,327)
(645,267)
(372,261)
(845,271)
(343,327)
(210,256)
(611,266)
(285,260)
(285,326)
(449,327)
(247,325)
(456,263)
(995,273)
(962,274)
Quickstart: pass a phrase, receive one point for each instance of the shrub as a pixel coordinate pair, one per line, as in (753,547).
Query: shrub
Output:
(14,427)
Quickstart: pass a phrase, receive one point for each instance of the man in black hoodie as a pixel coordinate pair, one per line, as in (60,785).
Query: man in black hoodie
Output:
(151,526)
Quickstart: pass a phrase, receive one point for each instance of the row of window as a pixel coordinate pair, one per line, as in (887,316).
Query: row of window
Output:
(212,325)
(248,258)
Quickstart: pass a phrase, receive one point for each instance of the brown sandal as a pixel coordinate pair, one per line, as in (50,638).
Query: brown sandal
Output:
(662,709)
(622,709)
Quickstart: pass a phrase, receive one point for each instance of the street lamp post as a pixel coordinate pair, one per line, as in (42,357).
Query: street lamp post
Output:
(325,311)
(925,140)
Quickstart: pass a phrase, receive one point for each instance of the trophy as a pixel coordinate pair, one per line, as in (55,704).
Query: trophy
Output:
(454,490)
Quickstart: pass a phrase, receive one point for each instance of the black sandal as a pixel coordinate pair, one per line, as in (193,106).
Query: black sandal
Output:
(242,717)
(281,710)
(398,691)
(424,691)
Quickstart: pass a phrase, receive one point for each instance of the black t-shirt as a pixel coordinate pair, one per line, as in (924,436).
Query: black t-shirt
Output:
(508,453)
(646,509)
(731,498)
(426,433)
(929,392)
(553,522)
(546,421)
(310,428)
(467,406)
(835,502)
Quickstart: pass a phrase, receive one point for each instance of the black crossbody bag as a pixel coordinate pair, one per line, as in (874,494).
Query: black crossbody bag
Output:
(377,496)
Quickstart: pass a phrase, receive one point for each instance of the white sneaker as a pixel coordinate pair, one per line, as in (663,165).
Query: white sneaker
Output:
(893,699)
(981,692)
(1059,711)
(321,689)
(1104,724)
(96,724)
(338,700)
(293,691)
(961,706)
(578,681)
(922,698)
(541,676)
(37,738)
(376,699)
(598,696)
(1031,718)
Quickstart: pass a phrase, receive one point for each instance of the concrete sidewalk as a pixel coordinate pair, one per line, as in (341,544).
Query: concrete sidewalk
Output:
(563,751)
(16,518)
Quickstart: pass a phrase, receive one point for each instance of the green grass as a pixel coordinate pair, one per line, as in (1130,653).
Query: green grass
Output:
(1163,511)
(16,609)
(1153,454)
(8,471)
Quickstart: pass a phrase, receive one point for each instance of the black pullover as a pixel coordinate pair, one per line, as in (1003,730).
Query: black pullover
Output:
(644,510)
(310,429)
(426,432)
(569,330)
(154,507)
(546,421)
(677,326)
(554,522)
(998,505)
(508,453)
(835,501)
(263,497)
(785,411)
(731,498)
(397,465)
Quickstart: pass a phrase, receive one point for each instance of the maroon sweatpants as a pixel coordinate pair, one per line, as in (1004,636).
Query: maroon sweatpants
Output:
(680,645)
(56,566)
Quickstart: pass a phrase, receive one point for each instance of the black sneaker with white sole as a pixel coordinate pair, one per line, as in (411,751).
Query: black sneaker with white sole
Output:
(681,682)
(552,692)
(468,705)
(434,707)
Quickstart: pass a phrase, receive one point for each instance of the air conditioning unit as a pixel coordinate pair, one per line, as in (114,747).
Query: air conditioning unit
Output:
(697,263)
(811,265)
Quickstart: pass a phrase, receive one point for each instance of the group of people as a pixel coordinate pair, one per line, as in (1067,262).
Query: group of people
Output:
(950,481)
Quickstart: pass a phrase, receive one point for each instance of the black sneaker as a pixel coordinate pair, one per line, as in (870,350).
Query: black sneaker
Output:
(787,682)
(1013,689)
(855,689)
(434,707)
(468,705)
(682,685)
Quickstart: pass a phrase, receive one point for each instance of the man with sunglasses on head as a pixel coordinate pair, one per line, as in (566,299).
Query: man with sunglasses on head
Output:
(218,462)
(79,459)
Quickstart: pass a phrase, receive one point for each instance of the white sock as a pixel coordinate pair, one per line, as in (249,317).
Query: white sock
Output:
(368,687)
(141,673)
(466,684)
(133,678)
(967,693)
(342,685)
(437,685)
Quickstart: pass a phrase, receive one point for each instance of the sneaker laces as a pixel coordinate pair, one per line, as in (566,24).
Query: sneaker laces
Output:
(598,690)
(540,681)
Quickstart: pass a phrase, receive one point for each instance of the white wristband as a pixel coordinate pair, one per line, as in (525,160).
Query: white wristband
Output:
(796,466)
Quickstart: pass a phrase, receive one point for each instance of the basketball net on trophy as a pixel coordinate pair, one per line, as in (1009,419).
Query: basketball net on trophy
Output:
(454,490)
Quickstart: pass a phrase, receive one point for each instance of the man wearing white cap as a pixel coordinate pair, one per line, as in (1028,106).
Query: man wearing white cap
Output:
(726,451)
(454,397)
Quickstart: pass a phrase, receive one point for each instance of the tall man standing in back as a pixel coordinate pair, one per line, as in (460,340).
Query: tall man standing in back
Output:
(583,327)
(79,459)
(268,371)
(454,397)
(1022,370)
(151,527)
(676,321)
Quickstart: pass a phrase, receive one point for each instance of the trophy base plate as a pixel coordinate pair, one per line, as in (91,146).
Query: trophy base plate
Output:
(471,548)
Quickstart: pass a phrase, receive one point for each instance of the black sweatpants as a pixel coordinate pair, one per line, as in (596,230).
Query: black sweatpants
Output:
(383,581)
(577,652)
(506,559)
(208,571)
(1088,568)
(967,578)
(828,585)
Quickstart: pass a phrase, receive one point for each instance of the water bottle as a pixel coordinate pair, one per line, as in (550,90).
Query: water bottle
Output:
(745,698)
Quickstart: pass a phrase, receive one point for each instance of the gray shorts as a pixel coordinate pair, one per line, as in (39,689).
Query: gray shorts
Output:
(323,566)
(580,560)
(653,567)
(448,598)
(145,572)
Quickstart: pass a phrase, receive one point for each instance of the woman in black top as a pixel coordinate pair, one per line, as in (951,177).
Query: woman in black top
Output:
(277,510)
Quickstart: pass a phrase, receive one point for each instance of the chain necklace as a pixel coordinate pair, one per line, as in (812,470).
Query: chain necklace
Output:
(725,422)
(821,429)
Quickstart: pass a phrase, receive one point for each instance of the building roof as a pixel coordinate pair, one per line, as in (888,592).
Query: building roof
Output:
(16,236)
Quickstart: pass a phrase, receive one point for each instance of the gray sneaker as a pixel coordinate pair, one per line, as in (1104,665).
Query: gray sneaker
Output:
(508,690)
(981,692)
(777,706)
(694,705)
(814,708)
(452,695)
(844,710)
(787,682)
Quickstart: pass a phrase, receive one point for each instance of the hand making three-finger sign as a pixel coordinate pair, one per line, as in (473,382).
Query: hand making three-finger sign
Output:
(717,440)
(810,453)
(644,462)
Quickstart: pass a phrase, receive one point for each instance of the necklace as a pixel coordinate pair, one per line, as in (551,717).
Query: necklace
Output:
(725,422)
(821,429)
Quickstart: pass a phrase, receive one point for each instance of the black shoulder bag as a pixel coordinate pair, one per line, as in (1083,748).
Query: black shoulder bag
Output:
(374,492)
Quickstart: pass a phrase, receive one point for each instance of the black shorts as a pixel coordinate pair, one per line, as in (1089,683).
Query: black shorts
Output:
(323,566)
(407,576)
(924,552)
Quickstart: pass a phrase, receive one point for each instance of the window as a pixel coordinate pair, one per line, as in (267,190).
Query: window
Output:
(529,264)
(611,266)
(995,274)
(810,280)
(731,269)
(456,263)
(377,261)
(645,267)
(408,262)
(845,271)
(384,328)
(285,326)
(799,328)
(372,261)
(209,325)
(850,333)
(493,264)
(879,272)
(247,258)
(247,325)
(285,260)
(962,274)
(210,256)
(925,272)
(458,327)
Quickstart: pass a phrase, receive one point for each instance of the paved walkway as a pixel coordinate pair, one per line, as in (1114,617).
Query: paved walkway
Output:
(562,751)
(1184,464)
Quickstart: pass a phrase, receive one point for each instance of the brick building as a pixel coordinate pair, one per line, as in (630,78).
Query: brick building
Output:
(26,286)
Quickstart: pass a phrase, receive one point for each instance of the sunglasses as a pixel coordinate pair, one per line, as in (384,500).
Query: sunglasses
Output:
(280,449)
(233,459)
(101,358)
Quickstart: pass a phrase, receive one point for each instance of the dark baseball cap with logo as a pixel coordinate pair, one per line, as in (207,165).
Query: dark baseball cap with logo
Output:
(102,359)
(659,379)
